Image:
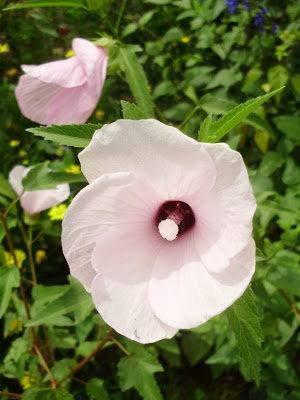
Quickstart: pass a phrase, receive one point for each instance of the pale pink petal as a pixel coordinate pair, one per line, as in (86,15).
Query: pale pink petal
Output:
(176,164)
(224,217)
(39,200)
(33,97)
(71,106)
(15,178)
(66,73)
(126,308)
(111,205)
(184,294)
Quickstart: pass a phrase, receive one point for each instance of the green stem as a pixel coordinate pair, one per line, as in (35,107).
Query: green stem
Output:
(28,242)
(12,204)
(189,116)
(121,347)
(120,16)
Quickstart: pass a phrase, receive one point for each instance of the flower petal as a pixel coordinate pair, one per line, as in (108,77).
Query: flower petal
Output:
(176,164)
(33,97)
(184,294)
(224,217)
(126,308)
(111,206)
(66,73)
(15,178)
(39,200)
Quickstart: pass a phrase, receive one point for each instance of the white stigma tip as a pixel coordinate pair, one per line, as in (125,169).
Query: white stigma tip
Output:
(168,229)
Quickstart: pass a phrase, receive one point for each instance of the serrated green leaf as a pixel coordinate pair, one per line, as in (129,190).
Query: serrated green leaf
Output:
(95,389)
(40,178)
(76,297)
(5,188)
(223,125)
(47,3)
(243,318)
(46,394)
(17,349)
(137,372)
(69,135)
(9,279)
(131,111)
(137,81)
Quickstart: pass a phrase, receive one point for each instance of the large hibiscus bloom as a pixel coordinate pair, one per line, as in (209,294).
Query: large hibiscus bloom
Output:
(65,91)
(161,236)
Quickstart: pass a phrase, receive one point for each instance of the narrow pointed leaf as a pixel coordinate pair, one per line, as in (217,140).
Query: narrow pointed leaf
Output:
(47,3)
(131,111)
(70,135)
(223,125)
(137,81)
(244,320)
(5,188)
(40,178)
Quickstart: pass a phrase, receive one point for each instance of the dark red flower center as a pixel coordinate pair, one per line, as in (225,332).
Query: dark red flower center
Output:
(178,212)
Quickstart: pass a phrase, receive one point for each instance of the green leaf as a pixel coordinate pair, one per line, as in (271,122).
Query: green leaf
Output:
(95,389)
(40,178)
(9,279)
(17,349)
(137,81)
(5,188)
(270,163)
(46,394)
(75,298)
(137,372)
(70,135)
(215,131)
(289,125)
(243,318)
(131,111)
(47,3)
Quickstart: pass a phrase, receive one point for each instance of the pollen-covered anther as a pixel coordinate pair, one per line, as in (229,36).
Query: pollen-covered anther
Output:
(168,229)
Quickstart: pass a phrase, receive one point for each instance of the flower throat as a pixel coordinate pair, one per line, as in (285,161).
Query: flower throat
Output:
(174,218)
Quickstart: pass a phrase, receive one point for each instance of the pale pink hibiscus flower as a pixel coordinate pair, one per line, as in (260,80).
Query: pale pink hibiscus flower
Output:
(65,91)
(37,200)
(161,236)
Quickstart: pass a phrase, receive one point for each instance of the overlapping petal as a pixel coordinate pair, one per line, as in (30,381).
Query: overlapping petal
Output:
(38,200)
(65,91)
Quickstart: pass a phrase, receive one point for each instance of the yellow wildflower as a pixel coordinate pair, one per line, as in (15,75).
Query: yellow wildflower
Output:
(25,382)
(73,169)
(22,153)
(185,39)
(25,162)
(69,53)
(14,143)
(4,48)
(20,256)
(40,255)
(57,213)
(12,72)
(99,115)
(266,87)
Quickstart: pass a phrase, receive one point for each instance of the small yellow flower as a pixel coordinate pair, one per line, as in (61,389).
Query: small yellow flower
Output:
(25,382)
(25,162)
(15,326)
(20,256)
(57,213)
(69,53)
(266,87)
(12,72)
(40,255)
(73,169)
(99,115)
(185,39)
(14,143)
(4,48)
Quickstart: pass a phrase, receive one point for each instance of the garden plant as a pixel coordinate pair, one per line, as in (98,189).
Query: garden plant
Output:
(150,199)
